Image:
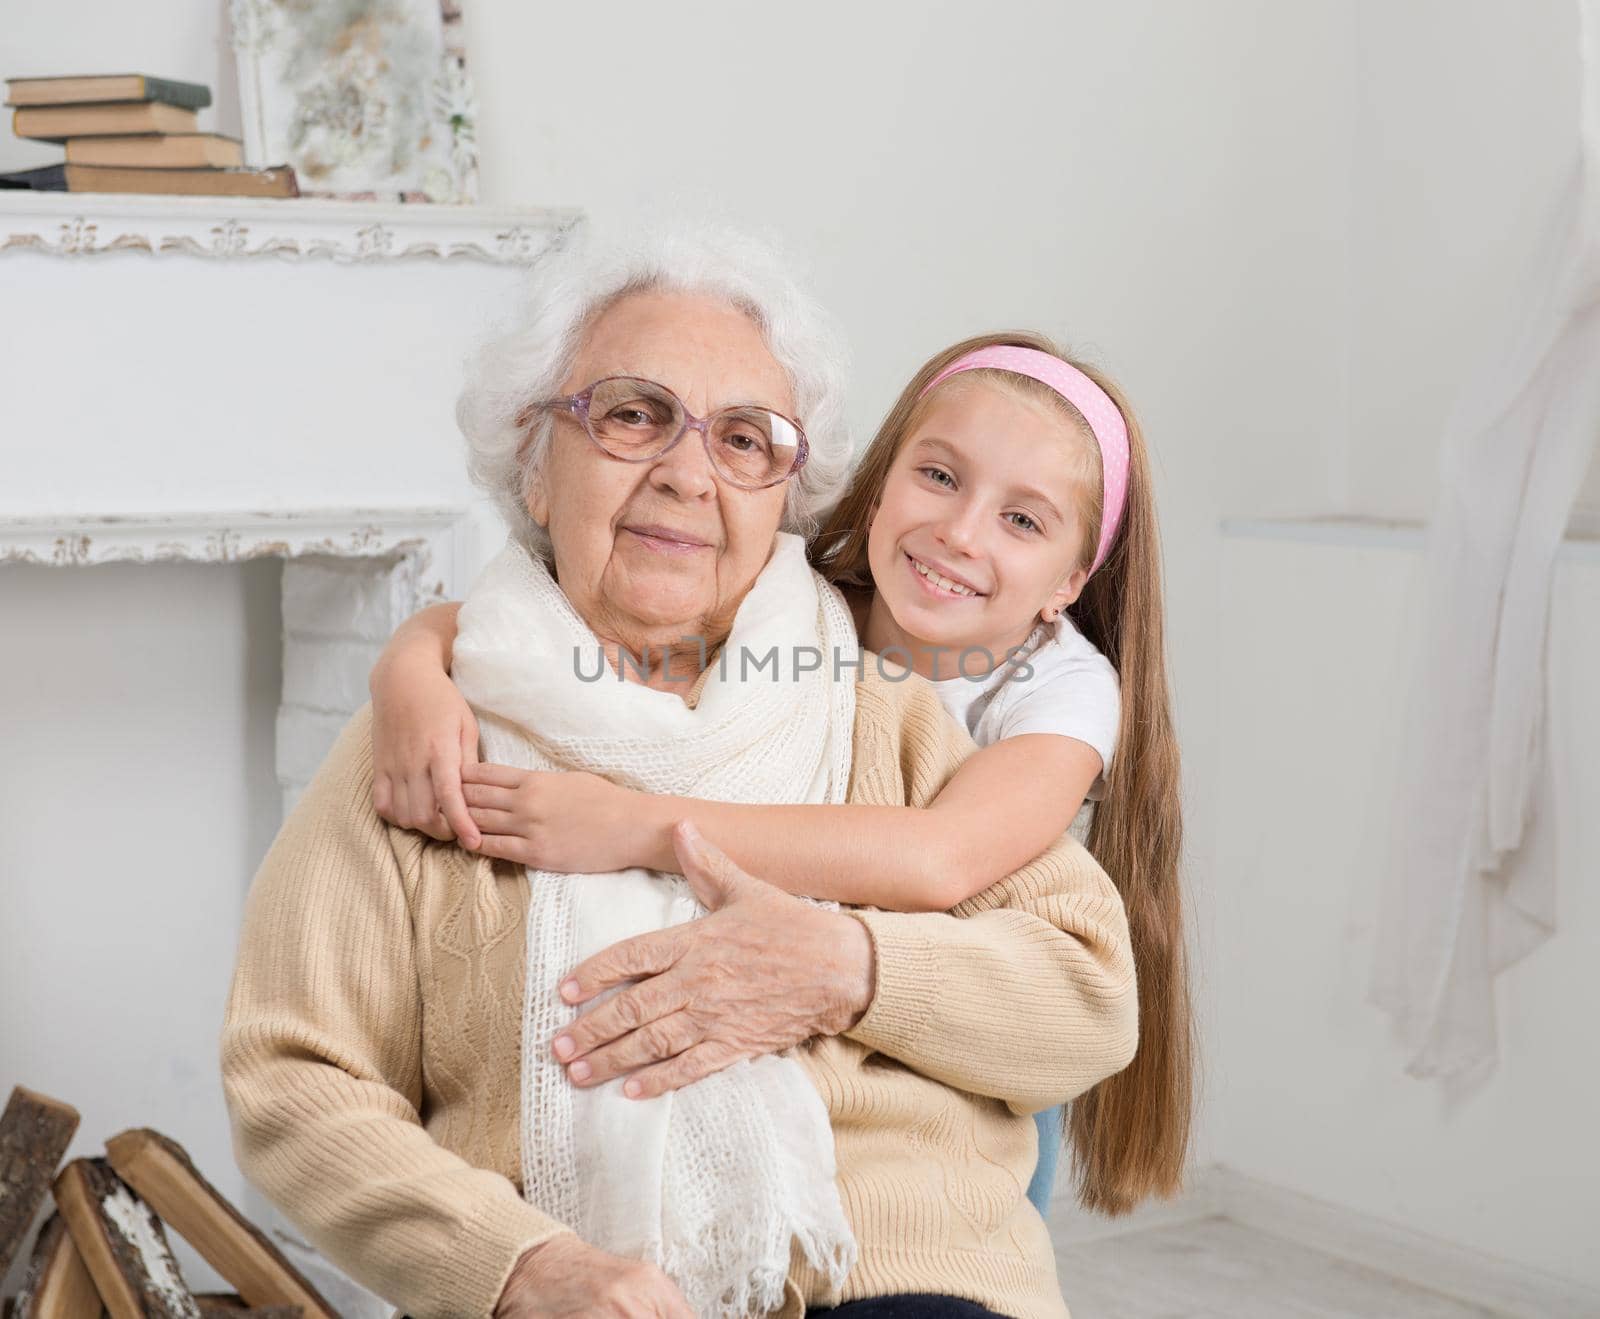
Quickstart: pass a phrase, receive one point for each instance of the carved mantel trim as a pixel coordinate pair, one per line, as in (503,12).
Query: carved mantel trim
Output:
(426,536)
(236,229)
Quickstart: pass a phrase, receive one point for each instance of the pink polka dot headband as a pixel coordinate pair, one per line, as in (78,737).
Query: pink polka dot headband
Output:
(1104,417)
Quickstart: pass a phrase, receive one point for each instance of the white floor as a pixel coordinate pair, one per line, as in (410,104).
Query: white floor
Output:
(1214,1268)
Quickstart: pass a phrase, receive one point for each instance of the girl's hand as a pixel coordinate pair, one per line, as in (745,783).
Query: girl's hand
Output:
(553,820)
(423,735)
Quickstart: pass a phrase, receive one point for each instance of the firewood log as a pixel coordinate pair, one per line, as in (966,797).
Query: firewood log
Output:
(167,1180)
(122,1244)
(57,1285)
(35,1131)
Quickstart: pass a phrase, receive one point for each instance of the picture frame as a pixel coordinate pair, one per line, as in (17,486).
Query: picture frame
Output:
(368,100)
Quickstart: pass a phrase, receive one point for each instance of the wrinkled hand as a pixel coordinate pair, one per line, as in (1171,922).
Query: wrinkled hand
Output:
(566,1277)
(761,973)
(423,736)
(569,821)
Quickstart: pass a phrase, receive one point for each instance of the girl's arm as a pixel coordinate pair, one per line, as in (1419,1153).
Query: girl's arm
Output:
(1003,807)
(423,732)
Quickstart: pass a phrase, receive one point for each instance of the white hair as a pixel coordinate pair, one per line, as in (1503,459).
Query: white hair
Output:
(526,361)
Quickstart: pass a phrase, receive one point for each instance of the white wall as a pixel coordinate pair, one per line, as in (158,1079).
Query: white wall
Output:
(1310,1088)
(1467,126)
(1466,118)
(245,385)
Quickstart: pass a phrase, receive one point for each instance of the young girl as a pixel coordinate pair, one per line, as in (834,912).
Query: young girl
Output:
(999,538)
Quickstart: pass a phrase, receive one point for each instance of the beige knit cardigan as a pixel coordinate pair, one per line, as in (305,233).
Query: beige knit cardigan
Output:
(370,1053)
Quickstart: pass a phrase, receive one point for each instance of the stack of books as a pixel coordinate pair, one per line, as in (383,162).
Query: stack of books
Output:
(127,132)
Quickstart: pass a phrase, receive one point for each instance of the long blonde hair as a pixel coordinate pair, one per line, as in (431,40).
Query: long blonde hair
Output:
(1129,1134)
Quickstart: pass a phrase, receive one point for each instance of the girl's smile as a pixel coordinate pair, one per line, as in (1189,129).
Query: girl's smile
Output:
(977,529)
(942,585)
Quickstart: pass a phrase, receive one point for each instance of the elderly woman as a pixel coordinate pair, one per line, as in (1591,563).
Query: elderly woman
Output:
(394,1052)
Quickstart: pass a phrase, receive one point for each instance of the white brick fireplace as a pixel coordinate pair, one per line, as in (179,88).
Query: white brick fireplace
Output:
(197,391)
(350,576)
(219,380)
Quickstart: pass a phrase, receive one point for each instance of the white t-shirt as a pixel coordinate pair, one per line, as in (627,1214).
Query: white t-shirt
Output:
(1072,691)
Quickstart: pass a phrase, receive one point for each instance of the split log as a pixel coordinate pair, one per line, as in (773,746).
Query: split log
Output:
(160,1170)
(35,1131)
(122,1244)
(57,1285)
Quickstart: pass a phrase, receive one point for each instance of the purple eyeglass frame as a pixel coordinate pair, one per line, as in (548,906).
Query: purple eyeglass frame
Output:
(578,405)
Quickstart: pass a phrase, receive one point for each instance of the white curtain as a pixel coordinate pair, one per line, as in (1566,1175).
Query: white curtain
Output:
(1472,889)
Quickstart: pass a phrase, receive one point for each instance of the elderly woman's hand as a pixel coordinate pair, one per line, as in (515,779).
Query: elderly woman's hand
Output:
(761,973)
(567,1277)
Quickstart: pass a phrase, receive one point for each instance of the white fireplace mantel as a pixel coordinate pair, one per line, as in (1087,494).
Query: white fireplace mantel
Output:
(237,228)
(288,371)
(425,535)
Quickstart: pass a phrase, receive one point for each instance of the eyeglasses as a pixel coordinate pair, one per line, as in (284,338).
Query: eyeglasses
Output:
(638,420)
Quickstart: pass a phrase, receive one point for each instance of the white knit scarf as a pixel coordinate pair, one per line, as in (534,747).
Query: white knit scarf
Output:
(712,1182)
